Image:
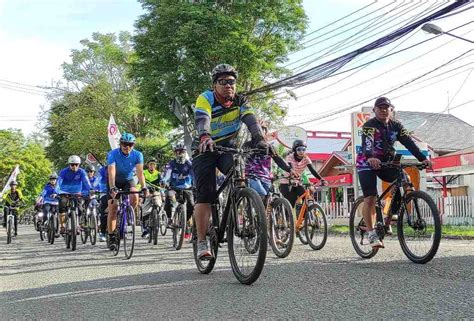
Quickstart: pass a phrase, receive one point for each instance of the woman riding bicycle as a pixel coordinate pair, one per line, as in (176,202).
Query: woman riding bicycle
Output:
(298,161)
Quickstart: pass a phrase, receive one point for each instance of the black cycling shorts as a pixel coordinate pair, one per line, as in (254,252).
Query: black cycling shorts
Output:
(368,179)
(204,167)
(122,184)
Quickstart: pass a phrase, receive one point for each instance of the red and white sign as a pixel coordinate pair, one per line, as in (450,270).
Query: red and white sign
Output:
(113,133)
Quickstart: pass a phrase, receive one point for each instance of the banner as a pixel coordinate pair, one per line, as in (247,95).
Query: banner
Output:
(12,177)
(92,161)
(287,135)
(113,133)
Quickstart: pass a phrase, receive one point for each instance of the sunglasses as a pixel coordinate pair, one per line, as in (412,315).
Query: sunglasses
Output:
(73,165)
(224,82)
(301,149)
(127,144)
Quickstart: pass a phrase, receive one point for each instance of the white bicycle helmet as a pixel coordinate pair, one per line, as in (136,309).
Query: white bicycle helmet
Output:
(74,159)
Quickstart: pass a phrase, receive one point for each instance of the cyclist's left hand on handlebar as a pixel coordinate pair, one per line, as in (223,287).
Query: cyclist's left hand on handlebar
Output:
(145,191)
(323,182)
(427,163)
(294,174)
(206,143)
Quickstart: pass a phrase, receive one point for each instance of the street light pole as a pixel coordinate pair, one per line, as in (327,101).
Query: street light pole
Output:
(436,30)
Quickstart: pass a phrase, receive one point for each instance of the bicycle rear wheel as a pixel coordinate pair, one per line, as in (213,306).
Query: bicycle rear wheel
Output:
(315,226)
(247,237)
(359,236)
(205,266)
(53,226)
(9,230)
(281,227)
(128,232)
(419,227)
(155,217)
(179,227)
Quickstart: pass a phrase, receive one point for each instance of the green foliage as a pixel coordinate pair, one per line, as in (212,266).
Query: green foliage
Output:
(179,42)
(34,166)
(99,73)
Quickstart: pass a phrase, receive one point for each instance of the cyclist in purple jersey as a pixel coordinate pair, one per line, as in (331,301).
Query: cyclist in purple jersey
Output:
(379,134)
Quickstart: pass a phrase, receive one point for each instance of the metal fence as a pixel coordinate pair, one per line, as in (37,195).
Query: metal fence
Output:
(454,210)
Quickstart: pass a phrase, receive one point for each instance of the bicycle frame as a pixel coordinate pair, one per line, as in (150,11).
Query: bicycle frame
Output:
(124,202)
(304,198)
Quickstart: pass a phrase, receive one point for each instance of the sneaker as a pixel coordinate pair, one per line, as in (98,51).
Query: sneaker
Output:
(375,240)
(203,251)
(145,234)
(111,242)
(102,237)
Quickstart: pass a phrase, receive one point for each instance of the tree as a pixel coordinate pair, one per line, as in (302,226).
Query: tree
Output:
(179,42)
(30,155)
(98,85)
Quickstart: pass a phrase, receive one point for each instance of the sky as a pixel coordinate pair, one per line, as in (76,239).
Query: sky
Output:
(36,38)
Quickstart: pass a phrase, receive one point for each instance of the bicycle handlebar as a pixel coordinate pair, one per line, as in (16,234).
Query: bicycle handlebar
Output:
(418,165)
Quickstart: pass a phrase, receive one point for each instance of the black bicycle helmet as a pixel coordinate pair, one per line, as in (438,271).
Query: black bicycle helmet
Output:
(223,69)
(298,143)
(383,101)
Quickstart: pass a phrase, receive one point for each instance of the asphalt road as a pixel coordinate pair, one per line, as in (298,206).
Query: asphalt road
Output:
(41,281)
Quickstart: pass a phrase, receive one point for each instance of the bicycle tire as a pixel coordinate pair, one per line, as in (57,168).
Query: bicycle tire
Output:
(93,228)
(73,230)
(151,220)
(163,221)
(9,230)
(42,233)
(84,233)
(205,266)
(129,240)
(179,227)
(52,228)
(260,234)
(316,226)
(355,231)
(275,228)
(436,235)
(156,223)
(67,233)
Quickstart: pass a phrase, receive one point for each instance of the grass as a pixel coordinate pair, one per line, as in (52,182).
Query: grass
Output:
(446,231)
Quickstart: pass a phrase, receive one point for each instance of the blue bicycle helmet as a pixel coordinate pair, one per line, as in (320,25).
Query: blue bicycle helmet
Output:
(127,138)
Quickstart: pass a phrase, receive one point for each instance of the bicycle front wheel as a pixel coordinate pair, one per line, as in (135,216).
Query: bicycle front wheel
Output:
(163,221)
(155,217)
(247,237)
(281,227)
(358,232)
(316,227)
(93,228)
(73,231)
(419,227)
(179,227)
(128,232)
(9,230)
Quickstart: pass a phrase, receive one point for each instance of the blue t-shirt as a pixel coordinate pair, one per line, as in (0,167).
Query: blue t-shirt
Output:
(49,190)
(124,165)
(179,176)
(102,180)
(73,182)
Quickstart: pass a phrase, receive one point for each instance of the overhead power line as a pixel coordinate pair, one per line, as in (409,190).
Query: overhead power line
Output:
(340,110)
(322,71)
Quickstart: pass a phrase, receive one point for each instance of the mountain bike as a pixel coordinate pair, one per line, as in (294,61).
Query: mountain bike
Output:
(280,222)
(311,223)
(418,222)
(70,232)
(52,223)
(125,229)
(89,219)
(243,222)
(178,219)
(152,214)
(11,217)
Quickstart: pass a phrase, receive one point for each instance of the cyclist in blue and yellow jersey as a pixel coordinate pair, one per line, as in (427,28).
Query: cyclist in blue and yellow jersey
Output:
(101,187)
(219,115)
(123,163)
(178,176)
(12,198)
(71,180)
(379,134)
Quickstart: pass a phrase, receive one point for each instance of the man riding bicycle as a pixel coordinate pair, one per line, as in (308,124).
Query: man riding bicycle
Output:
(123,163)
(378,137)
(178,176)
(12,198)
(152,179)
(219,114)
(71,180)
(48,196)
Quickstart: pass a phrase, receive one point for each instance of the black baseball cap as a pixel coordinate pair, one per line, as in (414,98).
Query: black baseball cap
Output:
(383,101)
